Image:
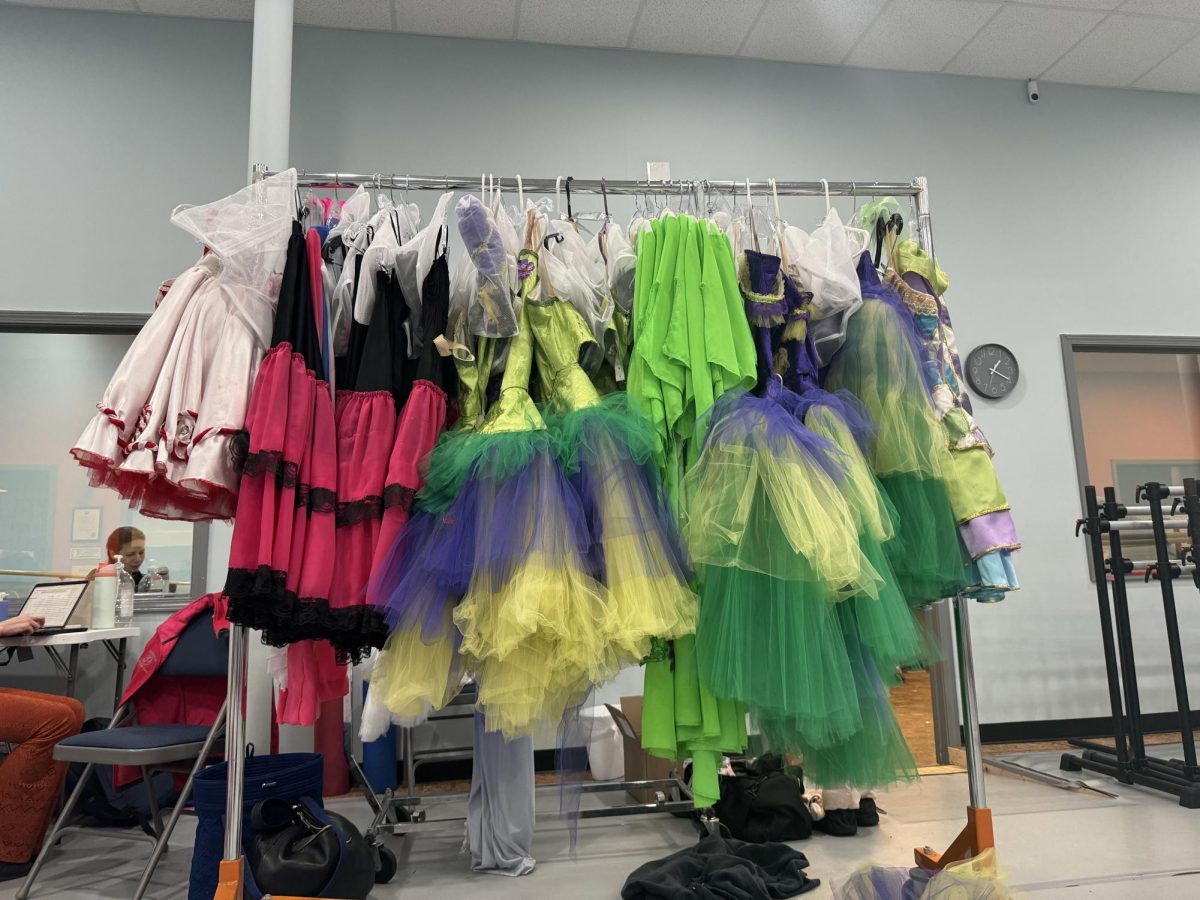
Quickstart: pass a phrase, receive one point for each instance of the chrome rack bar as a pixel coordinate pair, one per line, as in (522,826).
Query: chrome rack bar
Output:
(393,181)
(419,822)
(817,188)
(1170,524)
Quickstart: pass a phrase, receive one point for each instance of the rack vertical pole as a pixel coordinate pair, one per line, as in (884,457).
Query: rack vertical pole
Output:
(1107,637)
(1155,493)
(976,836)
(966,678)
(1119,567)
(269,136)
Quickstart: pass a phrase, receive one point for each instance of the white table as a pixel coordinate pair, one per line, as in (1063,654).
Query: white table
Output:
(112,639)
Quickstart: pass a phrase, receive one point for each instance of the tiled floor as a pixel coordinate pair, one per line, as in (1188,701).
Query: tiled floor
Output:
(1052,843)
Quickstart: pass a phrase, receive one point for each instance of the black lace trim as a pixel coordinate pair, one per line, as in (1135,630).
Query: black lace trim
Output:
(316,500)
(258,598)
(355,512)
(271,462)
(399,495)
(239,449)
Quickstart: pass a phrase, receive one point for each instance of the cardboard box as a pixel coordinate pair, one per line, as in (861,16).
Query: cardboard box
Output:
(639,765)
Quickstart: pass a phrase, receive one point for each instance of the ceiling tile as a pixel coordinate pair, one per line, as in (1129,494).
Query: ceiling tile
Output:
(209,9)
(592,23)
(460,18)
(920,35)
(1181,9)
(812,31)
(1022,41)
(1121,50)
(1178,72)
(694,26)
(101,5)
(367,15)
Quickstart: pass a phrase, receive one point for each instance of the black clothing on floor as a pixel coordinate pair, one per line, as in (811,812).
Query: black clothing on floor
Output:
(721,868)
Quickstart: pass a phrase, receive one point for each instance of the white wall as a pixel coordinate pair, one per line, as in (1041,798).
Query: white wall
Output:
(107,122)
(1075,215)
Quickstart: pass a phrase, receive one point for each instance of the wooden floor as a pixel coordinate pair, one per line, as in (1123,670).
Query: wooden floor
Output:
(914,710)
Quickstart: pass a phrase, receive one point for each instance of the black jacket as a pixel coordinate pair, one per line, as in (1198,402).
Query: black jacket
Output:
(721,868)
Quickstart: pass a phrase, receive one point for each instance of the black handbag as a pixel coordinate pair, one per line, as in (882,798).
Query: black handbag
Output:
(302,849)
(761,802)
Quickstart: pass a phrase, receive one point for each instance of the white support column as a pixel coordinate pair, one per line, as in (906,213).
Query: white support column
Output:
(270,132)
(271,84)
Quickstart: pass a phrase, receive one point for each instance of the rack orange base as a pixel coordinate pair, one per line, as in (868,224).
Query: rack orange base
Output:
(975,838)
(229,883)
(229,880)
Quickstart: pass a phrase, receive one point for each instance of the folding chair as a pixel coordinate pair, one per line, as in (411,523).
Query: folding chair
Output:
(152,748)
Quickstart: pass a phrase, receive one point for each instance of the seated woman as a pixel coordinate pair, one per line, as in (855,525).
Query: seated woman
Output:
(30,779)
(129,543)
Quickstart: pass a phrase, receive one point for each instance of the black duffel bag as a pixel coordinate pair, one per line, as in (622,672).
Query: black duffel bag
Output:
(302,849)
(761,802)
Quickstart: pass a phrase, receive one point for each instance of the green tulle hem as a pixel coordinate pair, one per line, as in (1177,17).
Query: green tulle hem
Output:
(461,455)
(875,754)
(926,553)
(613,416)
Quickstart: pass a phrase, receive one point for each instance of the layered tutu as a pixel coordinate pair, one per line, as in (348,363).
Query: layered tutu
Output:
(767,497)
(606,449)
(634,546)
(497,548)
(886,625)
(778,546)
(875,754)
(878,365)
(165,434)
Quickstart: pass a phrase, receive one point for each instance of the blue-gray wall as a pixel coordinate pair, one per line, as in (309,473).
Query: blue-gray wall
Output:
(1075,215)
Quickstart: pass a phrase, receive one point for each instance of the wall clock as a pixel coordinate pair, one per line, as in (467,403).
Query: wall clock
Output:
(992,371)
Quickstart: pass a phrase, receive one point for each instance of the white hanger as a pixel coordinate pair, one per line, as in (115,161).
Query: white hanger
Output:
(825,183)
(520,193)
(557,195)
(775,197)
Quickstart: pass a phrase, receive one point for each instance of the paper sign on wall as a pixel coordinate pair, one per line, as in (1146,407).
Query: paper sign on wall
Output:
(658,171)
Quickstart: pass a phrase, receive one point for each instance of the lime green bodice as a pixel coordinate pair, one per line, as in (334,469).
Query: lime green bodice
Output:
(560,337)
(515,410)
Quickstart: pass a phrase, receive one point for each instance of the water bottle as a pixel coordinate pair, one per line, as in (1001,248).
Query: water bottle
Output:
(125,592)
(155,581)
(104,597)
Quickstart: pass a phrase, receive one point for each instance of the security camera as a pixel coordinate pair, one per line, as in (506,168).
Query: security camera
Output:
(1031,91)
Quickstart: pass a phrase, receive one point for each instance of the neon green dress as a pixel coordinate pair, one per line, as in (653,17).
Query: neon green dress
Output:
(691,344)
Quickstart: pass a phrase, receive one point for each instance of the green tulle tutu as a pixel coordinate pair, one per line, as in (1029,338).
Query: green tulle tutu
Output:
(876,755)
(908,451)
(926,553)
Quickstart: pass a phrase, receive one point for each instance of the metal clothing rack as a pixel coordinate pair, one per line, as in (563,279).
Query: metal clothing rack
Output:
(977,834)
(1127,760)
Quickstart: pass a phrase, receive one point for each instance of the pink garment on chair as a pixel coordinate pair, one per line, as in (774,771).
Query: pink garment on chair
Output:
(173,699)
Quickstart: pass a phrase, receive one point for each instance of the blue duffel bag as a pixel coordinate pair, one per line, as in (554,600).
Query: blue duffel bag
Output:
(283,776)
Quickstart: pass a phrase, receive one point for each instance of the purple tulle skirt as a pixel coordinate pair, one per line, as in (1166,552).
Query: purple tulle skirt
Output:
(490,531)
